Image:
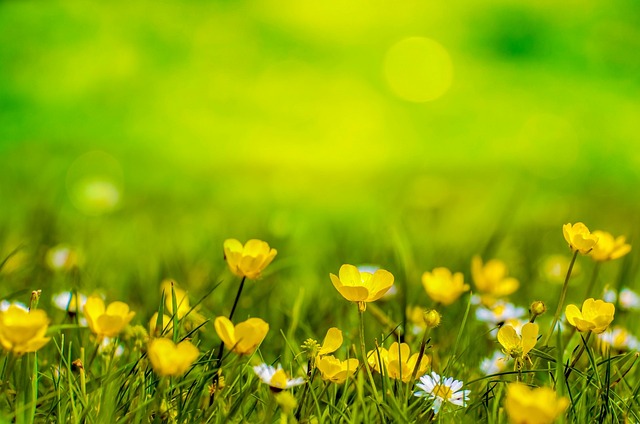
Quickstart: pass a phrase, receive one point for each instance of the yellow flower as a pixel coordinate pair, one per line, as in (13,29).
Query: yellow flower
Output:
(444,287)
(248,260)
(398,362)
(608,247)
(579,237)
(183,306)
(22,331)
(165,329)
(361,287)
(243,338)
(335,370)
(169,359)
(332,341)
(596,315)
(516,346)
(533,406)
(107,322)
(491,278)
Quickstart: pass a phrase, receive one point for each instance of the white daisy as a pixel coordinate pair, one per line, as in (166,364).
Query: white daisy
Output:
(69,301)
(442,390)
(627,298)
(618,338)
(499,313)
(493,364)
(4,305)
(276,378)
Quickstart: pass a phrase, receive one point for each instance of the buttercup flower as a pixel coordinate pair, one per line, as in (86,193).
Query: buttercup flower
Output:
(332,341)
(361,287)
(596,315)
(276,378)
(579,237)
(491,279)
(516,346)
(533,406)
(169,359)
(397,362)
(109,321)
(22,331)
(243,338)
(442,390)
(165,329)
(182,299)
(608,247)
(248,260)
(335,370)
(444,287)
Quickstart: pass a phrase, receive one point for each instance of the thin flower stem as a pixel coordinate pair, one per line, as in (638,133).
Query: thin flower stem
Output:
(221,348)
(414,374)
(563,295)
(364,353)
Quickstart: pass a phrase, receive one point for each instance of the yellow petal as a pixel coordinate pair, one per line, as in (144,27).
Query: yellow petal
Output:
(572,313)
(349,275)
(529,337)
(225,331)
(508,337)
(332,341)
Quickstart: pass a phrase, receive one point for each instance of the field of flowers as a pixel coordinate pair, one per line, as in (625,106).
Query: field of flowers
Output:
(460,351)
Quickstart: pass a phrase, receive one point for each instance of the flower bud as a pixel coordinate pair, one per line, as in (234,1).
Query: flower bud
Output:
(432,318)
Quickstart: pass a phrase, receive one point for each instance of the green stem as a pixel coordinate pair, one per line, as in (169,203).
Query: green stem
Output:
(563,295)
(578,355)
(221,348)
(364,352)
(414,374)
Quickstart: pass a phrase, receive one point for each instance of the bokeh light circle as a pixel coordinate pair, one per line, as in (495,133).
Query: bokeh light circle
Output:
(418,69)
(95,183)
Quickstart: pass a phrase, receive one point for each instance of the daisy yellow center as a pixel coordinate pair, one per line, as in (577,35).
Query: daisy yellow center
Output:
(498,310)
(442,391)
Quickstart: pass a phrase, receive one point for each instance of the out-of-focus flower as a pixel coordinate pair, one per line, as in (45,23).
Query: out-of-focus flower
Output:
(183,306)
(109,321)
(397,362)
(5,304)
(169,359)
(415,318)
(442,390)
(444,287)
(579,237)
(23,331)
(335,370)
(361,287)
(249,260)
(618,339)
(499,313)
(628,300)
(555,268)
(62,257)
(494,364)
(165,329)
(533,406)
(69,301)
(596,315)
(609,248)
(491,279)
(515,346)
(276,378)
(243,338)
(107,347)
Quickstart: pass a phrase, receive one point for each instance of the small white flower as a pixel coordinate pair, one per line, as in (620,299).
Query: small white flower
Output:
(69,301)
(276,378)
(442,390)
(4,305)
(610,296)
(618,338)
(498,313)
(493,364)
(628,299)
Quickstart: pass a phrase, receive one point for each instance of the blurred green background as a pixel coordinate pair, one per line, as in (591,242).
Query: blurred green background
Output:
(406,134)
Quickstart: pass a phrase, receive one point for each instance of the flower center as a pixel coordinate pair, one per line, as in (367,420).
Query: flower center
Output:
(442,391)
